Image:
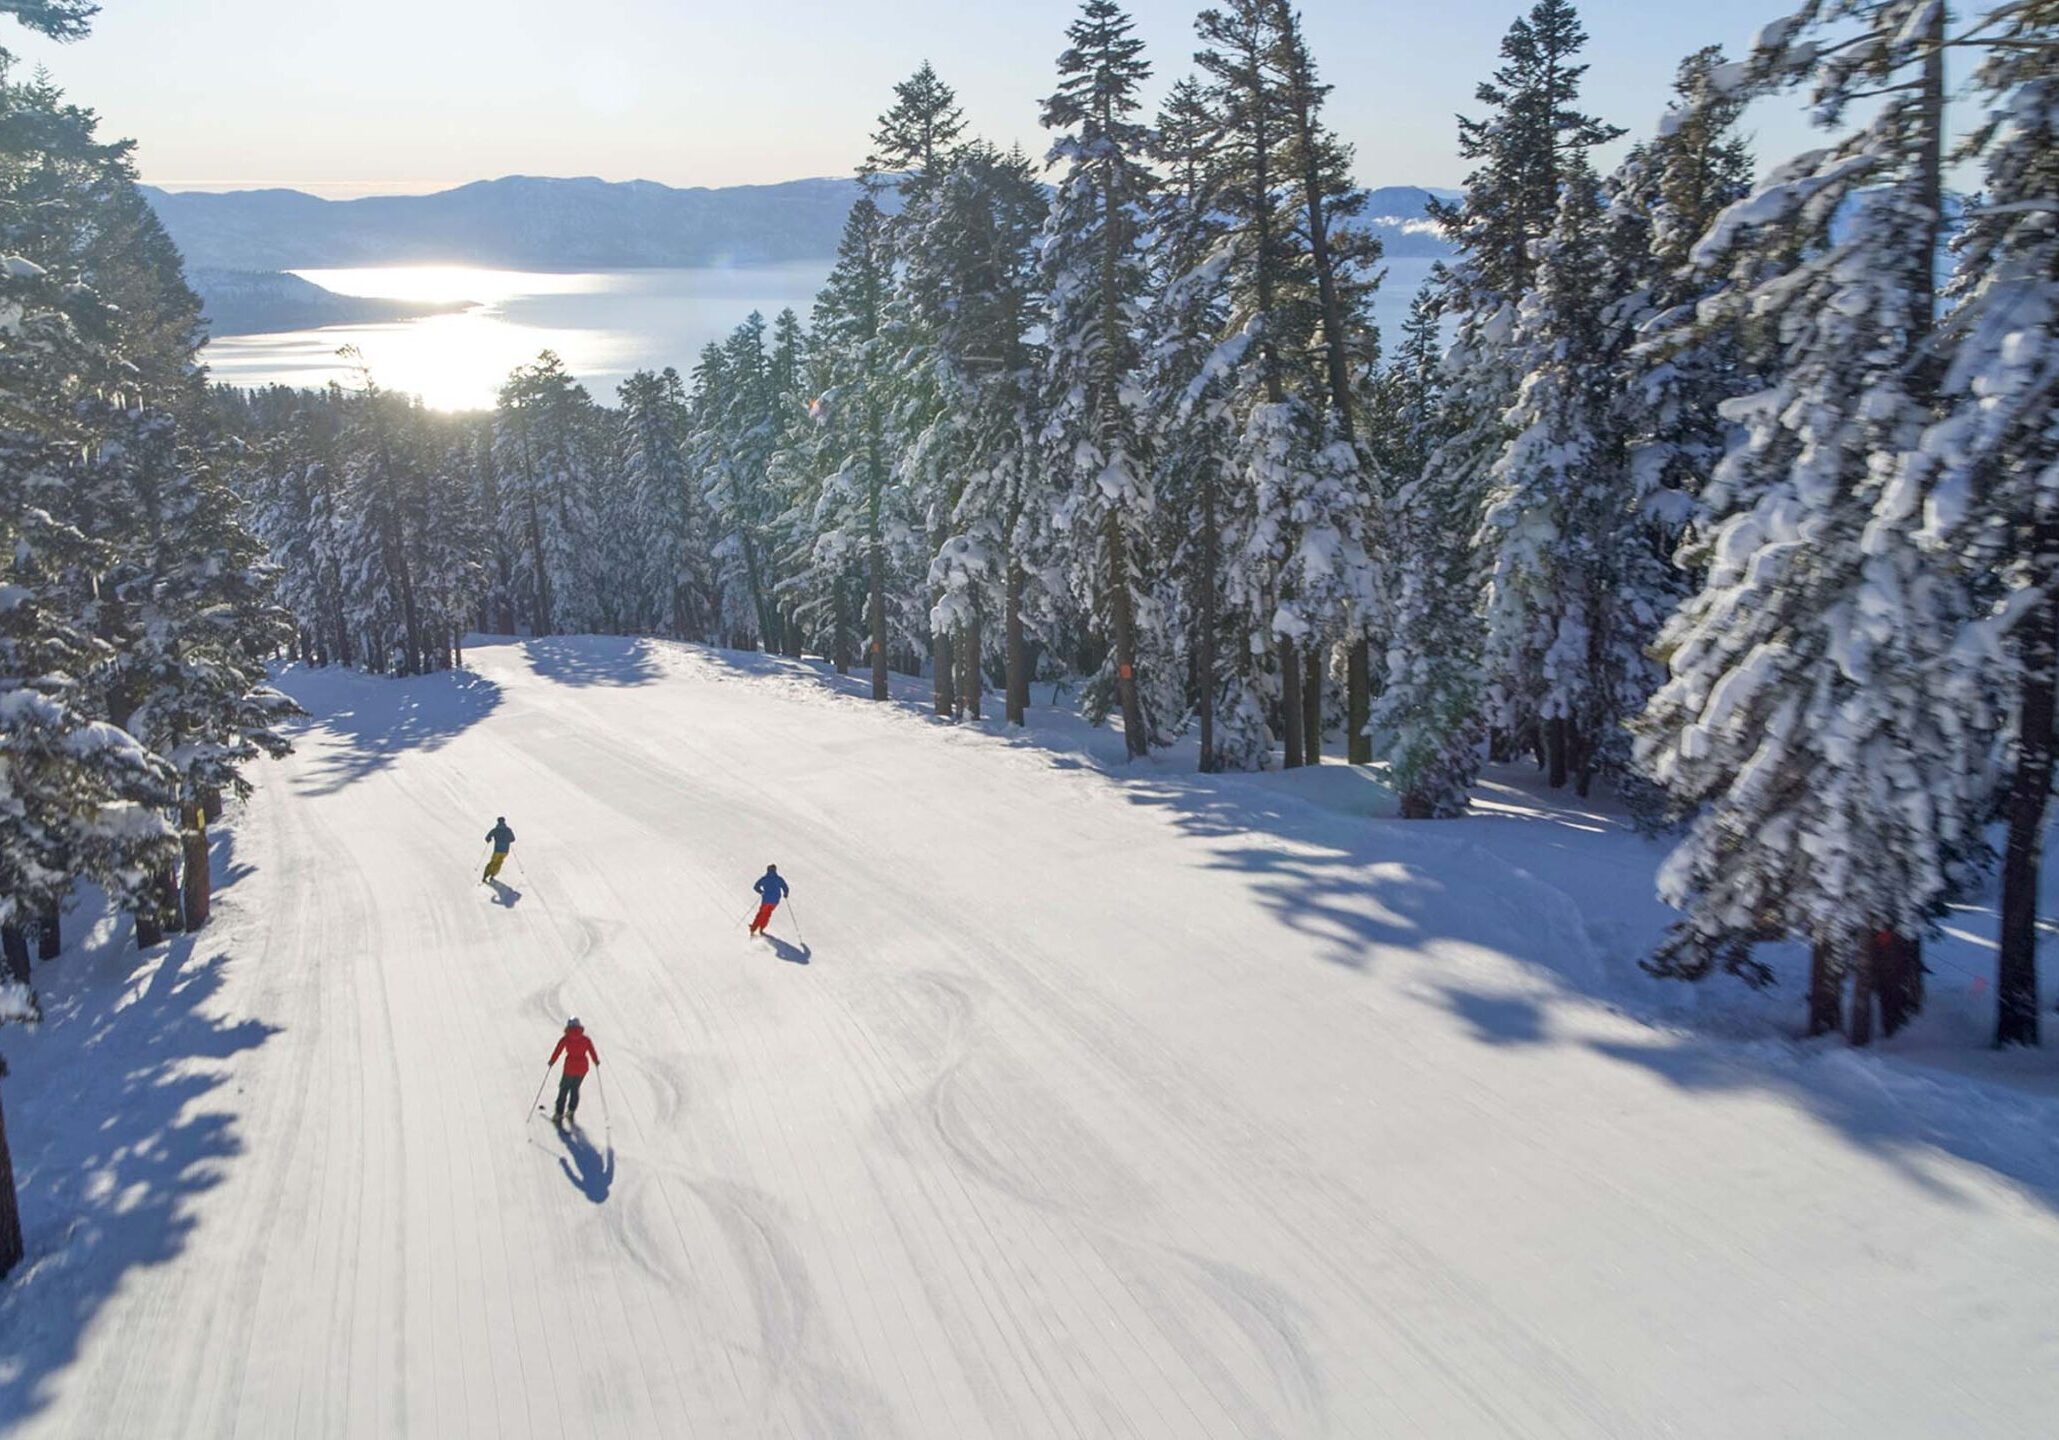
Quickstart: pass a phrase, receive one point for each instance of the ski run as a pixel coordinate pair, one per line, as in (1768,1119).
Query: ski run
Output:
(1151,1104)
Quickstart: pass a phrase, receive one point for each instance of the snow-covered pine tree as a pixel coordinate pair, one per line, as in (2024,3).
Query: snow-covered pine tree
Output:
(544,441)
(970,280)
(182,595)
(1095,278)
(1302,564)
(1819,720)
(1343,261)
(79,798)
(1532,137)
(736,416)
(861,515)
(42,646)
(1990,465)
(914,144)
(670,515)
(1668,393)
(1425,722)
(1189,369)
(1553,518)
(188,607)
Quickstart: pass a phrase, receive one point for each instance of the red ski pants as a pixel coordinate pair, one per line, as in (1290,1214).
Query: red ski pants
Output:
(764,918)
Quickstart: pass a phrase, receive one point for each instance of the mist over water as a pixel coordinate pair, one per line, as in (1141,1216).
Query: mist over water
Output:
(605,324)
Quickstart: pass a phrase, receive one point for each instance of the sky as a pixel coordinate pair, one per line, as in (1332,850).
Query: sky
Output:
(393,96)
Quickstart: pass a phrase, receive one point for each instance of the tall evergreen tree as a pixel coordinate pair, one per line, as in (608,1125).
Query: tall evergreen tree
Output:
(1189,375)
(1990,464)
(1817,713)
(1095,276)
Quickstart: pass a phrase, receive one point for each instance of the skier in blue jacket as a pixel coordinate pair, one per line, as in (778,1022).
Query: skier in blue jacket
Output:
(771,890)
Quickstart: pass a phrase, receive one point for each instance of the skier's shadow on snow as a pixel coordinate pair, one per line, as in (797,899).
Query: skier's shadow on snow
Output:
(592,1173)
(792,954)
(504,894)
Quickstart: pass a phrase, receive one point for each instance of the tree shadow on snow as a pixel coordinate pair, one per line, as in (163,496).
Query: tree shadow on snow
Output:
(119,1122)
(593,660)
(1902,1115)
(376,719)
(591,1172)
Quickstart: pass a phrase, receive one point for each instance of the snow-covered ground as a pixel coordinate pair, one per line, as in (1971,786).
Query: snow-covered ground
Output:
(1062,1102)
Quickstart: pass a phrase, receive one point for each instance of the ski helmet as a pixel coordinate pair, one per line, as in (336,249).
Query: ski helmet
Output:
(573,1024)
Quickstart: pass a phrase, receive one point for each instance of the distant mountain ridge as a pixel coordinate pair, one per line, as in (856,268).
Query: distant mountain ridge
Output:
(523,222)
(254,302)
(518,222)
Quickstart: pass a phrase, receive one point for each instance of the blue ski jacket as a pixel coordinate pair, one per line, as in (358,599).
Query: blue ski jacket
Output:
(502,837)
(771,888)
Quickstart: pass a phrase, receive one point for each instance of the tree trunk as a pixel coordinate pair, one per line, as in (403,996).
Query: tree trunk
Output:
(1018,648)
(49,932)
(166,883)
(1312,708)
(14,947)
(1897,979)
(1860,1028)
(1292,712)
(199,883)
(2016,967)
(11,1247)
(149,923)
(970,681)
(211,805)
(876,604)
(1204,653)
(1358,701)
(1555,752)
(940,667)
(539,580)
(1825,982)
(1136,739)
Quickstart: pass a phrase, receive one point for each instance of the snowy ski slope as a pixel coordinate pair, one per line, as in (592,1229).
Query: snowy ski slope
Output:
(1090,1105)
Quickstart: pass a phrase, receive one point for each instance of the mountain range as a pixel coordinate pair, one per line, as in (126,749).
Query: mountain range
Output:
(235,242)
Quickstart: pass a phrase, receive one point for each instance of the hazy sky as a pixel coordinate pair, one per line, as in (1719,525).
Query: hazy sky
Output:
(357,96)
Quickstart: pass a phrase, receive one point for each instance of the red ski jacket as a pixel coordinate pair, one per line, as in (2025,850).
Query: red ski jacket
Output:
(577,1050)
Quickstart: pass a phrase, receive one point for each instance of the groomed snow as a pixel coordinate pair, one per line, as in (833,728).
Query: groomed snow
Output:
(1092,1104)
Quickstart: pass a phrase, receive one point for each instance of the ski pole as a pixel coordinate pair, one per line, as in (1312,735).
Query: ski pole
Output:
(799,934)
(607,1120)
(537,1104)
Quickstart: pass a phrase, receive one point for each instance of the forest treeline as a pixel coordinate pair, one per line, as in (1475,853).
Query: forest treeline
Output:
(1733,493)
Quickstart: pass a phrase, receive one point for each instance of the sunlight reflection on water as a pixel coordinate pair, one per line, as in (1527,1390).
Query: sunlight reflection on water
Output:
(604,324)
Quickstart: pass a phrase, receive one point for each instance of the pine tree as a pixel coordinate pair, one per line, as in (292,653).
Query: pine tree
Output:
(1299,571)
(1533,138)
(969,281)
(914,145)
(670,514)
(1095,277)
(1990,465)
(1343,263)
(1542,537)
(861,511)
(544,445)
(1189,378)
(1817,712)
(1525,144)
(1425,722)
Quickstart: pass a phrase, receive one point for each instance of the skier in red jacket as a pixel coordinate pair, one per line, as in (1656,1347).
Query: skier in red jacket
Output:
(579,1057)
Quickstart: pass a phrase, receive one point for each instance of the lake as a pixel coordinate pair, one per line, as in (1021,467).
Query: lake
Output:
(605,325)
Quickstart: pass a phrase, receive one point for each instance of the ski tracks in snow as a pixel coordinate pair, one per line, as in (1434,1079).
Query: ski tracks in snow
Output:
(1073,1127)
